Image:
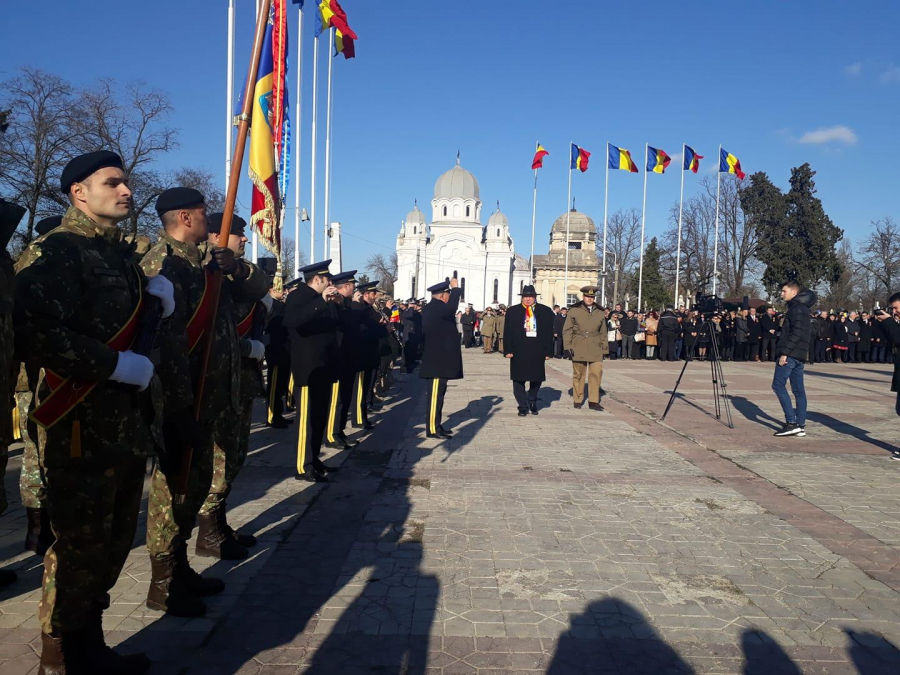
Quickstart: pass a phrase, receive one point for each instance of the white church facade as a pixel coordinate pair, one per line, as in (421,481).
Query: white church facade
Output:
(456,244)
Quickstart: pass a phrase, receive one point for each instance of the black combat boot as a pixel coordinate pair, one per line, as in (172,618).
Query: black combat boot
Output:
(213,541)
(170,594)
(198,585)
(40,535)
(245,540)
(103,659)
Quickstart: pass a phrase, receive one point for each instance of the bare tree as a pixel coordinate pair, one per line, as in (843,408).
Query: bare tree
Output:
(844,293)
(383,268)
(697,241)
(288,246)
(739,269)
(879,255)
(623,243)
(36,145)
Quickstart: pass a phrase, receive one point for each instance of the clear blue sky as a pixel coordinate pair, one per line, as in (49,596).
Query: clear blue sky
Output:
(778,84)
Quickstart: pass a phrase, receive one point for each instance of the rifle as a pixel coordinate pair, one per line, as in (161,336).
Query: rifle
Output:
(215,280)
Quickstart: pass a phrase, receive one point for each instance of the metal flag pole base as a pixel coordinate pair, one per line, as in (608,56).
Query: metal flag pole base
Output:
(717,378)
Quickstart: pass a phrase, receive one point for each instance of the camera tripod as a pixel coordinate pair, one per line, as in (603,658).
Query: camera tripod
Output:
(717,376)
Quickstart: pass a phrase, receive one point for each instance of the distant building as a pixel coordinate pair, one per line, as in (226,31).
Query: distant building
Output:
(456,244)
(584,265)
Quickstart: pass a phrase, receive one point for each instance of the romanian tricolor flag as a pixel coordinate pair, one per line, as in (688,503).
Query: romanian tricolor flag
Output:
(267,135)
(691,159)
(538,161)
(620,158)
(728,163)
(657,160)
(580,158)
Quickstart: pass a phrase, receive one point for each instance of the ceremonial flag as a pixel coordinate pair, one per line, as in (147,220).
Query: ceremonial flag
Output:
(343,44)
(657,160)
(691,159)
(281,124)
(728,163)
(620,158)
(538,161)
(332,14)
(580,158)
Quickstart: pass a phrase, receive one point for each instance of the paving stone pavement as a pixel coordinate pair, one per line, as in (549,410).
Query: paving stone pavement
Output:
(570,542)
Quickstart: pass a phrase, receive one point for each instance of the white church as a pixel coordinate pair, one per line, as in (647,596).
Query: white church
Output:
(456,244)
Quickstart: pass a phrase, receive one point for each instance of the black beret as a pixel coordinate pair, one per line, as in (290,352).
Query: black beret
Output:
(44,226)
(84,165)
(316,269)
(178,198)
(238,224)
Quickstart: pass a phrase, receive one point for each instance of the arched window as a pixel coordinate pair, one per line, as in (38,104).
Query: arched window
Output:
(454,274)
(496,289)
(521,286)
(498,231)
(462,288)
(445,210)
(467,212)
(415,230)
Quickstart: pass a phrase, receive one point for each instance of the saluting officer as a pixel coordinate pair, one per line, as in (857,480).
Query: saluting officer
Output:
(348,344)
(442,358)
(312,322)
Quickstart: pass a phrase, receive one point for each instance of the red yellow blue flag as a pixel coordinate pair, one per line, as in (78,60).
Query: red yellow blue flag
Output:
(728,163)
(580,158)
(657,160)
(538,161)
(691,159)
(620,158)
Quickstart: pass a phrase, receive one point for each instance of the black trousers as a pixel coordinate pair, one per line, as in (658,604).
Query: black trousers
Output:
(362,387)
(752,350)
(768,348)
(468,336)
(821,351)
(434,403)
(526,400)
(278,376)
(667,346)
(313,405)
(557,346)
(410,354)
(851,352)
(345,398)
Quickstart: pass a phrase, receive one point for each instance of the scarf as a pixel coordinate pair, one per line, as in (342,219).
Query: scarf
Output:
(530,323)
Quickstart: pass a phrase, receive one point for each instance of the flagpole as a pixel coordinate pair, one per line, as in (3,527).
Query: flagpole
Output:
(533,220)
(312,180)
(680,212)
(229,95)
(716,245)
(328,143)
(568,218)
(297,142)
(643,225)
(605,204)
(254,239)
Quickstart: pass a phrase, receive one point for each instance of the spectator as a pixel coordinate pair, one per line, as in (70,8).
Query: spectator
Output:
(792,347)
(628,326)
(891,323)
(651,325)
(769,325)
(668,330)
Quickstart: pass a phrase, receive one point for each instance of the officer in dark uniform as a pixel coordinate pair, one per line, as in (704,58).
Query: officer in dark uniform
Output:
(348,344)
(370,323)
(278,362)
(312,322)
(442,358)
(411,321)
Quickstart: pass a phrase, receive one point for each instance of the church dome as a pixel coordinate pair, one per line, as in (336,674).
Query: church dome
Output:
(457,182)
(415,216)
(578,222)
(498,219)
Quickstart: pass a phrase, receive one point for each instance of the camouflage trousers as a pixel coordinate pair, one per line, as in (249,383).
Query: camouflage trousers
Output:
(169,525)
(4,458)
(229,455)
(31,483)
(94,513)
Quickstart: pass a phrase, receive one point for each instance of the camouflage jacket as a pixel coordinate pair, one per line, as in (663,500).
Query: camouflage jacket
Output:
(76,287)
(179,367)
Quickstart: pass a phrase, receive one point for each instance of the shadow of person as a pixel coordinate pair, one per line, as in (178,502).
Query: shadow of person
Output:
(764,656)
(872,654)
(611,635)
(849,429)
(465,423)
(754,413)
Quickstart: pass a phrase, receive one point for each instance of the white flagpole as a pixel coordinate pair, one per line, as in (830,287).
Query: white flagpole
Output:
(298,137)
(325,241)
(533,220)
(254,240)
(716,245)
(312,180)
(605,205)
(229,95)
(643,225)
(680,212)
(568,218)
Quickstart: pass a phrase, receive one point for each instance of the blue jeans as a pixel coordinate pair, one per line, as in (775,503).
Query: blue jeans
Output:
(792,370)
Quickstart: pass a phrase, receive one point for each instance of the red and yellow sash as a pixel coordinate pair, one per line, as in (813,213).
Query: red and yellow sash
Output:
(197,324)
(245,325)
(67,392)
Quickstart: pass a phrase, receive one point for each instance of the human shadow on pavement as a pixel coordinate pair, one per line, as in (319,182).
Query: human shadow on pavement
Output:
(764,656)
(754,413)
(612,635)
(849,429)
(872,654)
(479,411)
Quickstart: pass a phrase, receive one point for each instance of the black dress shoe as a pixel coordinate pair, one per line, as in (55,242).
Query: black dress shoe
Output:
(311,477)
(595,406)
(523,413)
(445,431)
(534,410)
(338,444)
(322,469)
(578,406)
(439,434)
(280,423)
(347,442)
(368,426)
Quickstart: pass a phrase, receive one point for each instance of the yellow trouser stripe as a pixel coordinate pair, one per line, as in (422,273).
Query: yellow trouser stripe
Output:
(359,398)
(272,387)
(290,393)
(335,394)
(301,440)
(432,413)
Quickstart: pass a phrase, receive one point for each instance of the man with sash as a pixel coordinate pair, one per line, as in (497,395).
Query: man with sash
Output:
(79,296)
(184,257)
(442,358)
(348,344)
(312,321)
(215,538)
(369,359)
(528,341)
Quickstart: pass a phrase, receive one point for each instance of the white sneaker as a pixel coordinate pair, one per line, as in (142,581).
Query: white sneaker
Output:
(896,456)
(802,432)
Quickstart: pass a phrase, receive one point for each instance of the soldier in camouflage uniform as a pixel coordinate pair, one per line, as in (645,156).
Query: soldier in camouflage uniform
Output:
(175,587)
(78,295)
(215,538)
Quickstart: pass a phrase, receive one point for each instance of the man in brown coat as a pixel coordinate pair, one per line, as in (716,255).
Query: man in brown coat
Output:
(585,342)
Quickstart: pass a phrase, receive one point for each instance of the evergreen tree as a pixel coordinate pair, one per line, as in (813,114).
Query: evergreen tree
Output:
(654,293)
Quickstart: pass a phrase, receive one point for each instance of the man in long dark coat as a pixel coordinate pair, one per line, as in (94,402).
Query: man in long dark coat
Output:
(528,342)
(442,358)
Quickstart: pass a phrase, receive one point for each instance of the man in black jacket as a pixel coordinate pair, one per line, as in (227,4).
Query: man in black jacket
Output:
(559,320)
(768,324)
(791,350)
(468,325)
(890,322)
(528,342)
(442,358)
(628,325)
(668,330)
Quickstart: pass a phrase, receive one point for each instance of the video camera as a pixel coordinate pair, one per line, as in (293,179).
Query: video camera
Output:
(707,305)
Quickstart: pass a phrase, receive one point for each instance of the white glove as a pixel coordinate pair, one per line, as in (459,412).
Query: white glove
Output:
(267,301)
(257,350)
(162,288)
(133,369)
